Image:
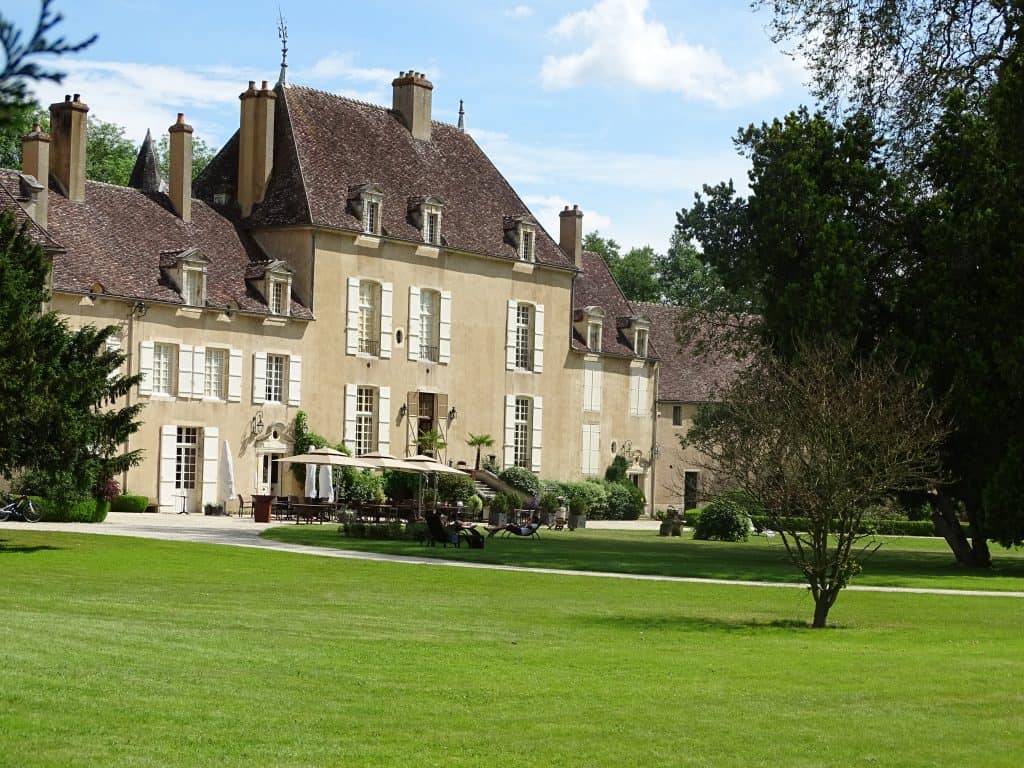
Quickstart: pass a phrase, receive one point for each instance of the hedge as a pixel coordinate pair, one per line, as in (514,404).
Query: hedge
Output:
(129,503)
(391,530)
(85,511)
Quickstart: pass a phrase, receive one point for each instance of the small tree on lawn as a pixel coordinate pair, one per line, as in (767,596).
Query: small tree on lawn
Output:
(478,442)
(822,436)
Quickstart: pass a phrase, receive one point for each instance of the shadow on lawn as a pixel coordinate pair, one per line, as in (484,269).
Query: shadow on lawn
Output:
(17,549)
(653,623)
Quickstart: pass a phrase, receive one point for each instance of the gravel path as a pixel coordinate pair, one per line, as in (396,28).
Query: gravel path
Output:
(243,532)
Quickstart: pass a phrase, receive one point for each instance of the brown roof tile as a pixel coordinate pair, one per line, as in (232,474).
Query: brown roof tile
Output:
(10,192)
(595,286)
(326,144)
(685,376)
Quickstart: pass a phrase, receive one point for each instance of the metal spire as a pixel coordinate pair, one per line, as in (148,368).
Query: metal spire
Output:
(282,34)
(462,117)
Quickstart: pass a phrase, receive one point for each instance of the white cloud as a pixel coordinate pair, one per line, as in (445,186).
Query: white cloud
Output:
(520,11)
(547,207)
(339,66)
(147,96)
(620,44)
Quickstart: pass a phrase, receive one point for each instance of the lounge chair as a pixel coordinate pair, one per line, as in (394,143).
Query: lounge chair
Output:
(437,532)
(524,531)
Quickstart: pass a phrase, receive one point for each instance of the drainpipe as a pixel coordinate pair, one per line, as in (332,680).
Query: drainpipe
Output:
(655,452)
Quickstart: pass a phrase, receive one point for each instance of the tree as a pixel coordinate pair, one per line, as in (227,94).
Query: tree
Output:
(822,435)
(109,155)
(19,66)
(688,280)
(635,272)
(607,249)
(479,441)
(59,430)
(897,60)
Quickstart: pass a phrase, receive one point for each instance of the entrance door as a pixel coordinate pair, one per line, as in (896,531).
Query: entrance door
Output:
(186,457)
(691,490)
(427,411)
(270,474)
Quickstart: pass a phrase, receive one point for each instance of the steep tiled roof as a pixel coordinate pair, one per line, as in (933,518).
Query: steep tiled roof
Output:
(116,238)
(326,144)
(685,376)
(10,191)
(595,286)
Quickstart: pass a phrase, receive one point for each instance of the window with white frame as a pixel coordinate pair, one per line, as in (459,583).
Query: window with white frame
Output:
(193,286)
(366,422)
(524,337)
(215,368)
(432,224)
(640,342)
(639,376)
(279,297)
(527,241)
(430,323)
(591,464)
(592,385)
(521,437)
(594,336)
(369,318)
(277,368)
(186,455)
(372,205)
(165,364)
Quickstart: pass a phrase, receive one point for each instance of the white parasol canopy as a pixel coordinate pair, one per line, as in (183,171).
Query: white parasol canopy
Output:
(429,464)
(326,484)
(330,457)
(227,474)
(310,487)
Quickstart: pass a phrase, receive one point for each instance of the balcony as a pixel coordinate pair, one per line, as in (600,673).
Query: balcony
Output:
(369,347)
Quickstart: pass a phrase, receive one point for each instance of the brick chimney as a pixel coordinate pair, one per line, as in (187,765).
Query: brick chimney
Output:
(255,145)
(412,100)
(35,162)
(180,168)
(67,146)
(570,233)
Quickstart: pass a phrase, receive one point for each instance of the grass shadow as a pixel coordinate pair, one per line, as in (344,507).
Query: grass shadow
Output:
(657,623)
(21,549)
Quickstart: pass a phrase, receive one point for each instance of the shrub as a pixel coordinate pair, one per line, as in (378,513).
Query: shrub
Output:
(475,505)
(521,479)
(128,503)
(107,490)
(725,519)
(504,504)
(82,511)
(365,488)
(589,496)
(616,471)
(393,529)
(455,488)
(491,466)
(400,486)
(691,517)
(625,501)
(550,502)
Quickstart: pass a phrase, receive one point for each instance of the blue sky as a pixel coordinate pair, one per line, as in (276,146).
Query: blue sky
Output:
(624,107)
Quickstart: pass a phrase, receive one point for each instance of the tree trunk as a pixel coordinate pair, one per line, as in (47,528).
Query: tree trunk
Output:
(477,467)
(982,558)
(948,526)
(822,605)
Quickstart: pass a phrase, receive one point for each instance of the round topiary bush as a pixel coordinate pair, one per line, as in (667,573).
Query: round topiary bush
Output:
(521,479)
(455,488)
(725,519)
(625,501)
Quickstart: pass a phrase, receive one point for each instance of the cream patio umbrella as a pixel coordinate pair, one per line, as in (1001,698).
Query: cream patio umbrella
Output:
(328,457)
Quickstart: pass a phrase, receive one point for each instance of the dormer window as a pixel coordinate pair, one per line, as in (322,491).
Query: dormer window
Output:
(594,336)
(640,342)
(425,213)
(278,297)
(277,287)
(367,201)
(193,286)
(186,269)
(527,237)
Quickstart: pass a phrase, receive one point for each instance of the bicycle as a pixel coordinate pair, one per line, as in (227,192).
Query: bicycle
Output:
(19,508)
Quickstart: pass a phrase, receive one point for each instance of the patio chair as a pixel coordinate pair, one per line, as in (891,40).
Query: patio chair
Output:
(437,532)
(243,508)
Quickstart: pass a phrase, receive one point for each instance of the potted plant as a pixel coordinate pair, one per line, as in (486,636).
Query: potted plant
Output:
(499,510)
(549,506)
(577,513)
(213,510)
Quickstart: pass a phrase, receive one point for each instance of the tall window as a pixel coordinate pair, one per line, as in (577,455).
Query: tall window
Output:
(594,337)
(277,297)
(639,376)
(641,343)
(214,378)
(365,422)
(527,238)
(432,227)
(164,365)
(521,437)
(677,415)
(430,319)
(591,449)
(276,367)
(592,385)
(369,318)
(192,287)
(524,337)
(371,216)
(186,452)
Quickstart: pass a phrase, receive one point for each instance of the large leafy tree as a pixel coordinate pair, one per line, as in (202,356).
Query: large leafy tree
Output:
(59,426)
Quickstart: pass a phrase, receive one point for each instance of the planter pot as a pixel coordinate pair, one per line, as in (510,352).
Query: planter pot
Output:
(261,508)
(577,521)
(497,518)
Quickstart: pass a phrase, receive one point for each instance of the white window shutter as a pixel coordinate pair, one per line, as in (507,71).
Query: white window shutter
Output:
(538,339)
(294,380)
(585,449)
(634,392)
(413,331)
(211,444)
(596,394)
(184,370)
(384,419)
(259,378)
(537,424)
(445,349)
(350,416)
(146,368)
(588,387)
(510,336)
(642,406)
(114,345)
(168,461)
(235,376)
(510,430)
(198,371)
(352,326)
(386,303)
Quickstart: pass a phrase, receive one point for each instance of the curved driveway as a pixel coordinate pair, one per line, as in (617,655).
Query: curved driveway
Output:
(243,532)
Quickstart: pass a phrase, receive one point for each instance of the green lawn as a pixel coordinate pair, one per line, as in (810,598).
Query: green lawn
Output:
(902,561)
(129,652)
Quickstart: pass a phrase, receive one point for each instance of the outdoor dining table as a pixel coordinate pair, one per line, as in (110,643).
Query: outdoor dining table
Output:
(310,511)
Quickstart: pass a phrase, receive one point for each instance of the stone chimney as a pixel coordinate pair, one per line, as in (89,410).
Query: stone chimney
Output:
(411,100)
(180,168)
(255,145)
(67,146)
(570,233)
(35,162)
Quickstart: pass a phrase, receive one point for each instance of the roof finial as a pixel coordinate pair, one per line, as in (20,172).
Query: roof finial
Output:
(282,34)
(462,117)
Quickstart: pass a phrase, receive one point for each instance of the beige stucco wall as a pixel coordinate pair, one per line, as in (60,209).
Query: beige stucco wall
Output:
(673,460)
